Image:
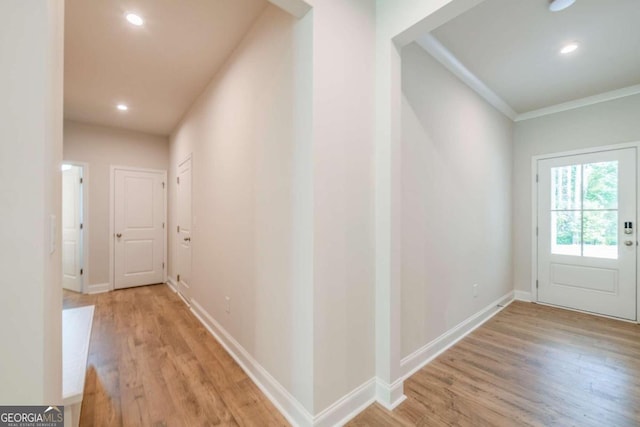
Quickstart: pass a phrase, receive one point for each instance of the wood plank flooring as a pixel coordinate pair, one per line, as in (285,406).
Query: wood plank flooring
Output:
(531,365)
(151,363)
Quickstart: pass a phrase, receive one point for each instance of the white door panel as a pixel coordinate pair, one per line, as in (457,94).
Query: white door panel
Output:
(138,224)
(71,232)
(586,255)
(184,228)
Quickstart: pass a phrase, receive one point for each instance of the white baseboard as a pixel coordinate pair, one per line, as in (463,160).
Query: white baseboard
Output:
(171,282)
(390,395)
(350,405)
(523,296)
(421,357)
(98,288)
(338,414)
(288,406)
(346,408)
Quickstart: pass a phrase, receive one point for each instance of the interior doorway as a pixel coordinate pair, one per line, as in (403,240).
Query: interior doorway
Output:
(587,220)
(138,207)
(73,218)
(184,228)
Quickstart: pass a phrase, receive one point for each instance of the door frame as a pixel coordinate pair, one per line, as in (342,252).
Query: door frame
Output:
(112,176)
(177,242)
(84,235)
(534,214)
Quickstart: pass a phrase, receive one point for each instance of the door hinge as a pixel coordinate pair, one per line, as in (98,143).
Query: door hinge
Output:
(178,229)
(163,265)
(81,226)
(537,231)
(81,180)
(536,283)
(163,225)
(178,277)
(537,178)
(81,271)
(178,180)
(163,185)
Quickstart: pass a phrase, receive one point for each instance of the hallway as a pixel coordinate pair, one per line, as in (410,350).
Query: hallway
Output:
(151,363)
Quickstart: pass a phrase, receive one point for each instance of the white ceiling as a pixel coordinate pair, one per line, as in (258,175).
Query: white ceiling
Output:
(512,46)
(158,69)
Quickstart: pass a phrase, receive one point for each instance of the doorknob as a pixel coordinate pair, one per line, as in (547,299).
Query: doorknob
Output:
(628,243)
(187,239)
(119,235)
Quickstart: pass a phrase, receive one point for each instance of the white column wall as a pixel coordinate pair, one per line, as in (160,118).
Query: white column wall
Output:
(31,34)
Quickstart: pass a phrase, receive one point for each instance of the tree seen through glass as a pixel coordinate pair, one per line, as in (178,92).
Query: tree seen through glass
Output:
(585,209)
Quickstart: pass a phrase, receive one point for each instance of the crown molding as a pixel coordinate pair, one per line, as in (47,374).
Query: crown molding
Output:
(579,103)
(444,56)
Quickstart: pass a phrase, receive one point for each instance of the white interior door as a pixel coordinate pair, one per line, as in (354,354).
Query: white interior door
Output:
(139,216)
(587,232)
(71,228)
(184,229)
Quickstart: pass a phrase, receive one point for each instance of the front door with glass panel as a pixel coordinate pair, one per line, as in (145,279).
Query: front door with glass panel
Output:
(587,232)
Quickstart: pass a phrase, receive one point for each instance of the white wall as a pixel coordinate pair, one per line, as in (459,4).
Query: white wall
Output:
(398,23)
(593,126)
(456,201)
(343,104)
(283,200)
(246,197)
(31,40)
(101,147)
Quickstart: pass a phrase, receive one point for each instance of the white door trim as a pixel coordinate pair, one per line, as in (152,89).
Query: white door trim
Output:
(534,210)
(112,175)
(176,249)
(84,280)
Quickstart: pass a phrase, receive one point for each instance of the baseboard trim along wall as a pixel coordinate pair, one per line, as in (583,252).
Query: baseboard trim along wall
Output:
(523,296)
(288,406)
(338,414)
(421,357)
(390,395)
(98,288)
(346,408)
(373,390)
(171,282)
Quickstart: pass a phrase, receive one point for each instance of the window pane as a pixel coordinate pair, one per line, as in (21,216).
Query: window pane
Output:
(566,233)
(601,234)
(601,185)
(566,187)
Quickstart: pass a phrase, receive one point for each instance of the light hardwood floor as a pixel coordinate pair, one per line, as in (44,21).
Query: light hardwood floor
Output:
(530,365)
(152,363)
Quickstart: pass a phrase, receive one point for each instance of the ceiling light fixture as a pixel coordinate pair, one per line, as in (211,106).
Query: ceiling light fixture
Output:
(122,107)
(571,47)
(134,19)
(558,5)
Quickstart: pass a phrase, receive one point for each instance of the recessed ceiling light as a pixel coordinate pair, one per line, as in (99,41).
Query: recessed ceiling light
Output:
(558,5)
(569,48)
(122,107)
(134,19)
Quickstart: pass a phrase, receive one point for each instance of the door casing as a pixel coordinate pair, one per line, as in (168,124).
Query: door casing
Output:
(112,175)
(534,216)
(85,221)
(183,291)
